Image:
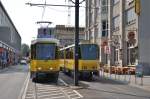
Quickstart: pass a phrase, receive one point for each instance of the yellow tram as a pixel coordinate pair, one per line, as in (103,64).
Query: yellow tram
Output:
(44,57)
(88,59)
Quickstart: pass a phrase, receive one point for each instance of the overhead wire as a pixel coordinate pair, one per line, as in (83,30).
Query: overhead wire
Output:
(57,5)
(43,12)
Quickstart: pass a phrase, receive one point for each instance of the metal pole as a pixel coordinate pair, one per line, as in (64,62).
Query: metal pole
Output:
(76,41)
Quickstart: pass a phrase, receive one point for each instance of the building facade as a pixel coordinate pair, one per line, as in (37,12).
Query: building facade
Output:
(97,25)
(66,34)
(124,32)
(120,25)
(10,40)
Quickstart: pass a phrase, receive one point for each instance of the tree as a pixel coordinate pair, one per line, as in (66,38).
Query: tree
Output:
(25,50)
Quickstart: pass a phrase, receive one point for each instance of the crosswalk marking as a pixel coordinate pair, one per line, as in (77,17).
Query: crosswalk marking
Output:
(46,91)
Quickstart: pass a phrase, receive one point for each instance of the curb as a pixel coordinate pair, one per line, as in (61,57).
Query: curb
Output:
(5,69)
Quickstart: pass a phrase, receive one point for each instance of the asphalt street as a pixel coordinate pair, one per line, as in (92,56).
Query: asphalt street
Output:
(101,88)
(12,81)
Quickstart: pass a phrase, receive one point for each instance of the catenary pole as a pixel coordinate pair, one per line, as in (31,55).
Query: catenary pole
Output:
(76,42)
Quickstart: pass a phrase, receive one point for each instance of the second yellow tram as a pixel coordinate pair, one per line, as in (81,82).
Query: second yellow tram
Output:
(88,60)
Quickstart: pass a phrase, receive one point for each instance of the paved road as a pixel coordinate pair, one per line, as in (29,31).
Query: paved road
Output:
(12,81)
(98,88)
(101,88)
(45,89)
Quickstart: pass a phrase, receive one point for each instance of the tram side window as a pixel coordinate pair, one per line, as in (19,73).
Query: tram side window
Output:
(69,53)
(33,52)
(57,53)
(61,54)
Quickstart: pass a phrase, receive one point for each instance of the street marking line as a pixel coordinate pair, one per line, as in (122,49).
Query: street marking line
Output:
(41,90)
(51,91)
(30,94)
(29,97)
(71,95)
(67,90)
(78,93)
(50,95)
(24,88)
(76,98)
(63,82)
(55,97)
(48,88)
(70,92)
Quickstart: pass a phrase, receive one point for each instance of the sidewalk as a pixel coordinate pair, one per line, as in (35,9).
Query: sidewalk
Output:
(143,83)
(4,69)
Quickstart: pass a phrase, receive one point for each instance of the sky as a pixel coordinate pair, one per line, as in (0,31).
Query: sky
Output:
(25,17)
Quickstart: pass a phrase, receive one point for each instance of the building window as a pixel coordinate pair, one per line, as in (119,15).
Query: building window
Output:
(104,28)
(130,16)
(104,4)
(116,22)
(115,1)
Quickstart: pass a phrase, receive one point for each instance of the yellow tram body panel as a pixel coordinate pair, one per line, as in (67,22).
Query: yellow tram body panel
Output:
(84,65)
(88,65)
(44,66)
(61,63)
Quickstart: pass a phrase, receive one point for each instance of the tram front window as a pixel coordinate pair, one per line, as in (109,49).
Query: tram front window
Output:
(45,51)
(89,52)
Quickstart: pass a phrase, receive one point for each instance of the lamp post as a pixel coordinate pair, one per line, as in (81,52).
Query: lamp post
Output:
(76,55)
(76,42)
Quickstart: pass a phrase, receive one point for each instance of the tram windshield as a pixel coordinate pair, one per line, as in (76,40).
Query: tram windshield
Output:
(89,51)
(45,51)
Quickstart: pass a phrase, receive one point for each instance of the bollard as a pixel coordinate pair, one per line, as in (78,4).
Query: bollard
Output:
(142,81)
(115,74)
(103,73)
(129,75)
(125,76)
(135,79)
(118,75)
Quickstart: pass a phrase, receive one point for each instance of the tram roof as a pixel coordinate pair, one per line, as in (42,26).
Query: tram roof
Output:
(68,47)
(45,40)
(74,45)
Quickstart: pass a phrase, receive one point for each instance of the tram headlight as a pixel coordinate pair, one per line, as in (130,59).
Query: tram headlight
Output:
(51,68)
(39,68)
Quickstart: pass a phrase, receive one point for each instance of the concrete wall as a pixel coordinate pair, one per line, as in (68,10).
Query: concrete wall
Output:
(8,32)
(144,36)
(5,35)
